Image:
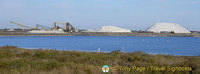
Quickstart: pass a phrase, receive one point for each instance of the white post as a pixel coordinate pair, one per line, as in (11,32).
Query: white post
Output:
(99,50)
(123,49)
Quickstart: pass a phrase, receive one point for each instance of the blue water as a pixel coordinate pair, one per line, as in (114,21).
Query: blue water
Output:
(189,46)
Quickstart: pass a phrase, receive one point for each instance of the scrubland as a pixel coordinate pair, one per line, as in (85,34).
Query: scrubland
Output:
(39,61)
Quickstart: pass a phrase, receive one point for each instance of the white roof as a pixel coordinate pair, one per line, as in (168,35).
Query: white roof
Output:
(112,29)
(159,27)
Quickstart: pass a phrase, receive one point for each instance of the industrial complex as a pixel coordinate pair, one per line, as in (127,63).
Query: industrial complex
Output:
(66,29)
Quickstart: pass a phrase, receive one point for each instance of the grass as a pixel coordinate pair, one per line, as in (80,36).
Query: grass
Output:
(17,60)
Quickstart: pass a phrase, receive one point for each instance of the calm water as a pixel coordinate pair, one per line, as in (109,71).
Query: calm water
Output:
(153,45)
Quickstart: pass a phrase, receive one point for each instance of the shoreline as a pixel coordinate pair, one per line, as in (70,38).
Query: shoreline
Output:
(102,34)
(109,52)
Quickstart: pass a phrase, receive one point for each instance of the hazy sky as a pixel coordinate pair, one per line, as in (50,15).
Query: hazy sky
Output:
(85,14)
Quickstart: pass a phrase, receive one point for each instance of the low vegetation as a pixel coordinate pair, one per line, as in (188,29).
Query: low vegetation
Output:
(17,60)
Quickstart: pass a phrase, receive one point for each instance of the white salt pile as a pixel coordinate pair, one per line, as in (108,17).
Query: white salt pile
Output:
(47,31)
(112,29)
(167,27)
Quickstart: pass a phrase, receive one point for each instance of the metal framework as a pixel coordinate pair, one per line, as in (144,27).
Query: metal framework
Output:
(69,27)
(21,25)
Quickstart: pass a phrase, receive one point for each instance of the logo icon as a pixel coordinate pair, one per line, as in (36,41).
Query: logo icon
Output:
(105,68)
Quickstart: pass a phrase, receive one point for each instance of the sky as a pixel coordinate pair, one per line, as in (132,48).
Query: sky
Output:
(92,14)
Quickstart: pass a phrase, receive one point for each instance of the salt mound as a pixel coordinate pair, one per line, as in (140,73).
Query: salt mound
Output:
(112,29)
(167,27)
(47,31)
